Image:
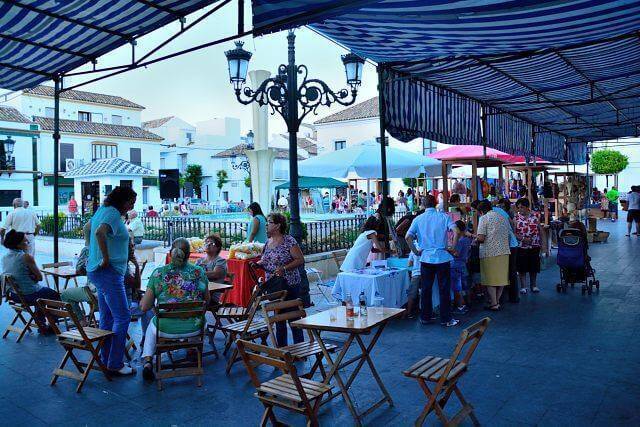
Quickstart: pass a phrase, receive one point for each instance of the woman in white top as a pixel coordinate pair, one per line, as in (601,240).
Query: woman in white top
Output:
(357,255)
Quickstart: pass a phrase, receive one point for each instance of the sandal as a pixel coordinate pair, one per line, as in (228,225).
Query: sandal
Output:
(495,307)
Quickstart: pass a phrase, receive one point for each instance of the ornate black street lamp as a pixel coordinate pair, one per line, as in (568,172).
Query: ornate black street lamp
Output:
(283,94)
(6,154)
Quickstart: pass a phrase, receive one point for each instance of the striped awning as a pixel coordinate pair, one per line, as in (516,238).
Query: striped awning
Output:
(40,38)
(570,69)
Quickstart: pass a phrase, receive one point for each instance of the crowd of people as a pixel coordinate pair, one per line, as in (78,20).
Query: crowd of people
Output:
(503,253)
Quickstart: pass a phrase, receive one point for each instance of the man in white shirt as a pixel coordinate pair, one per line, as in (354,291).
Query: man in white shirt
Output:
(135,226)
(23,220)
(430,231)
(633,207)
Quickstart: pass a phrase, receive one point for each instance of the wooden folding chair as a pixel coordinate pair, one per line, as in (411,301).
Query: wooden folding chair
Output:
(288,391)
(92,320)
(86,339)
(25,313)
(445,373)
(179,368)
(231,314)
(250,329)
(281,311)
(56,265)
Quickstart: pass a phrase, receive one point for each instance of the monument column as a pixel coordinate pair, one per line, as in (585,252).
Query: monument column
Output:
(261,157)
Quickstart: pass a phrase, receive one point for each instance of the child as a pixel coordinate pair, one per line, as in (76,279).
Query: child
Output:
(414,271)
(459,273)
(604,204)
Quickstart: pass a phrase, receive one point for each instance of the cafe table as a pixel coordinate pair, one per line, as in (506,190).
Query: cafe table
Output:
(355,328)
(67,273)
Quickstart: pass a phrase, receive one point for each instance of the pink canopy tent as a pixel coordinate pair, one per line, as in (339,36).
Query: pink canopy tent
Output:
(470,152)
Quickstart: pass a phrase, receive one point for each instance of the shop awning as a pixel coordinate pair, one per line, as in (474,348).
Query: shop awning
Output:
(39,39)
(314,182)
(558,73)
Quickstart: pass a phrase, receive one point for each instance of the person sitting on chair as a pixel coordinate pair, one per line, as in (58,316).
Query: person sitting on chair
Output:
(26,275)
(213,264)
(178,281)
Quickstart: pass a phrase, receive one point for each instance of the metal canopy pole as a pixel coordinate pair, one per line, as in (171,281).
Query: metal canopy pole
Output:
(383,148)
(56,161)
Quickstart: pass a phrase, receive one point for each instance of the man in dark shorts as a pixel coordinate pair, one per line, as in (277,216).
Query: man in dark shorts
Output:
(633,207)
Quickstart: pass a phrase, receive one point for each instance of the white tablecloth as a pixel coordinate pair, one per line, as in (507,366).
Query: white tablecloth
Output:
(392,285)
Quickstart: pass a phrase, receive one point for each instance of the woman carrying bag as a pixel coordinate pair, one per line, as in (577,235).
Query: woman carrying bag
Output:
(282,258)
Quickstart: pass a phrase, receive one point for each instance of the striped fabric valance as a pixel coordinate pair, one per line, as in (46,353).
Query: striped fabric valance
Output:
(550,146)
(508,134)
(415,109)
(577,153)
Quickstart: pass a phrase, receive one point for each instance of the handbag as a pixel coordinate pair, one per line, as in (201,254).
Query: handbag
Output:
(274,284)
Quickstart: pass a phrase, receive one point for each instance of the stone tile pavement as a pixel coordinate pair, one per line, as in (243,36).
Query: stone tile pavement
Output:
(551,360)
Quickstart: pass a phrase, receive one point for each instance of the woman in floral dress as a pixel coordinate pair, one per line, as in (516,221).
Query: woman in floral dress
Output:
(178,281)
(528,235)
(282,257)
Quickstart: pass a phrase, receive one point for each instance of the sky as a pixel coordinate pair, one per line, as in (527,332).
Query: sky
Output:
(196,86)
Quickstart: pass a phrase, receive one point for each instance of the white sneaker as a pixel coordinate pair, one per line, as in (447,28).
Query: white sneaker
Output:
(125,371)
(523,291)
(535,289)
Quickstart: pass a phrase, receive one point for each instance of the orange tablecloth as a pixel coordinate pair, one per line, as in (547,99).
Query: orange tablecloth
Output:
(242,282)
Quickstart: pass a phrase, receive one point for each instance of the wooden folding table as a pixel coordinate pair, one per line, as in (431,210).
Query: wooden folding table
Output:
(355,328)
(67,273)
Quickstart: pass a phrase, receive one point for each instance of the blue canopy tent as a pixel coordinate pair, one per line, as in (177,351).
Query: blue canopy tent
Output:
(42,40)
(534,78)
(558,71)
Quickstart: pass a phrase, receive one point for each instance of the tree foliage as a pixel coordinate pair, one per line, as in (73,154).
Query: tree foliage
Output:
(247,182)
(223,178)
(608,162)
(194,176)
(412,182)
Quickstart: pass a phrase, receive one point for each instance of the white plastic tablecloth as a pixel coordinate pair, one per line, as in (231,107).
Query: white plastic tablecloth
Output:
(392,285)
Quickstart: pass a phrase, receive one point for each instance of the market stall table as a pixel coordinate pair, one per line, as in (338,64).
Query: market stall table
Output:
(392,284)
(66,272)
(355,328)
(243,282)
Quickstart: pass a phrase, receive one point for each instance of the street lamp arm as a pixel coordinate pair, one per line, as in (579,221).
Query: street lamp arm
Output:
(312,93)
(271,92)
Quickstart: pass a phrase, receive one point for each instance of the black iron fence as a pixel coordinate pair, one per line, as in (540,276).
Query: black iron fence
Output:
(318,235)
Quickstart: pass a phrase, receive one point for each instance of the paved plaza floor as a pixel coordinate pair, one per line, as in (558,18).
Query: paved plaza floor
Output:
(552,359)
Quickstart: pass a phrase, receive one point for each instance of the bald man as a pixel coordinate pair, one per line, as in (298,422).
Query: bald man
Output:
(24,220)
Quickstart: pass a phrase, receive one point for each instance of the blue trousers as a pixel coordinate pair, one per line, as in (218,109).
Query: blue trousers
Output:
(428,273)
(114,314)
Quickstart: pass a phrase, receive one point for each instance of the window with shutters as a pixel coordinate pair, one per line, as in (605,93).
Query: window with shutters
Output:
(84,116)
(66,152)
(135,156)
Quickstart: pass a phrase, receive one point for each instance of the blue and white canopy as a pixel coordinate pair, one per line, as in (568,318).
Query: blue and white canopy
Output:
(553,71)
(363,161)
(40,38)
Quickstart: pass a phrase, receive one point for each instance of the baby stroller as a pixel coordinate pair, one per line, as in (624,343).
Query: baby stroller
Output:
(574,261)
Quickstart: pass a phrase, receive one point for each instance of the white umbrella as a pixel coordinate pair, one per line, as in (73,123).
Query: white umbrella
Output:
(364,161)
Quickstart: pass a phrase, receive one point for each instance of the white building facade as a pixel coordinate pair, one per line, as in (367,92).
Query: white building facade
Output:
(92,127)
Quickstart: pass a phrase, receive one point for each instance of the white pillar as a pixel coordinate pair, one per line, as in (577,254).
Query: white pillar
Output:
(260,113)
(261,157)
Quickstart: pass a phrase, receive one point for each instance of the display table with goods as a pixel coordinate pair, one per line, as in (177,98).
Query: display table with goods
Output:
(390,283)
(239,257)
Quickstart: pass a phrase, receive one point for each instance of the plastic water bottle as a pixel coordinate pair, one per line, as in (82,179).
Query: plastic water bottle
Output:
(363,304)
(75,260)
(349,304)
